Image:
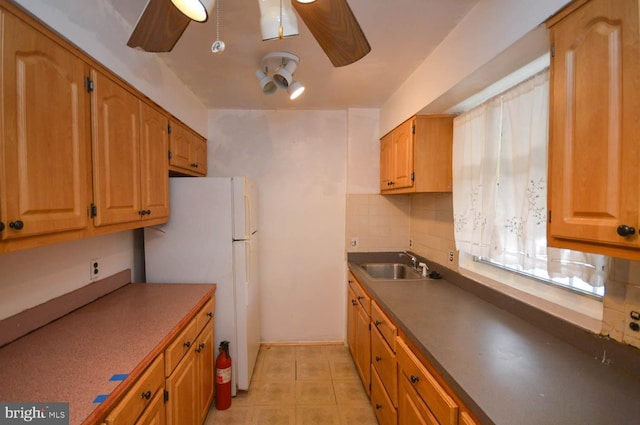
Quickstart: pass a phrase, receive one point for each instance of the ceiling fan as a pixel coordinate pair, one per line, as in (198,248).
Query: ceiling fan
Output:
(331,22)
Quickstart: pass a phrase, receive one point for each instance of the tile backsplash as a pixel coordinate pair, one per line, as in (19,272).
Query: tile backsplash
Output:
(378,223)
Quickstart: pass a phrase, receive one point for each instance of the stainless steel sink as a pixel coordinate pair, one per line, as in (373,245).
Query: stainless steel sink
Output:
(390,271)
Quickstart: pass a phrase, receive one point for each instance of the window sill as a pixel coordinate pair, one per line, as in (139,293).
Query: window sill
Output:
(580,310)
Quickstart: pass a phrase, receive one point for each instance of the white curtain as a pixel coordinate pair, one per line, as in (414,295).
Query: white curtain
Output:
(500,185)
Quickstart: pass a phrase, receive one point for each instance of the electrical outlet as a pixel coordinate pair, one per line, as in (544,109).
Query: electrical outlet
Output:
(355,241)
(451,256)
(94,269)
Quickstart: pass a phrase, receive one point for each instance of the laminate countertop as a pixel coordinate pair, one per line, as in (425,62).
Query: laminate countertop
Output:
(506,370)
(73,358)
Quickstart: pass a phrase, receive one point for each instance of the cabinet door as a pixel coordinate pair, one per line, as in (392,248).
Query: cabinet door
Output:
(182,385)
(363,347)
(45,140)
(154,146)
(205,360)
(411,410)
(116,152)
(386,162)
(402,146)
(593,149)
(352,311)
(200,156)
(180,146)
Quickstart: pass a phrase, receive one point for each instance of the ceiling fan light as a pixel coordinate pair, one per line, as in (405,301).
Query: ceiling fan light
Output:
(295,89)
(267,85)
(197,10)
(271,19)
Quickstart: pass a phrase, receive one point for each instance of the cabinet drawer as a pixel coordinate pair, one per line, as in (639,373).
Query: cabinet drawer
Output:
(205,314)
(439,402)
(361,295)
(384,362)
(382,405)
(386,327)
(411,408)
(143,392)
(179,347)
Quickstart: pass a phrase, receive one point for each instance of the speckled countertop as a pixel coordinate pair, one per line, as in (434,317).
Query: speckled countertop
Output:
(506,370)
(73,358)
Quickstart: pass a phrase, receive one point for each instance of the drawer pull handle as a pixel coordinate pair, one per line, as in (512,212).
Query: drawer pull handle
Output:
(200,347)
(187,344)
(354,302)
(378,406)
(146,396)
(210,313)
(624,230)
(378,358)
(359,297)
(414,379)
(377,323)
(17,225)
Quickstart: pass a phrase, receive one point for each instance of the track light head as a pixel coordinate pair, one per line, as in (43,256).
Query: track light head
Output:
(267,85)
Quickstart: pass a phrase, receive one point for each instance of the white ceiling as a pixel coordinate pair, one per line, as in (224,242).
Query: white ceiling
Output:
(401,33)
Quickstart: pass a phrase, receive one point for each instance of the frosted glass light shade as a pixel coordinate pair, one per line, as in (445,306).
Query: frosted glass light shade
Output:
(197,10)
(270,19)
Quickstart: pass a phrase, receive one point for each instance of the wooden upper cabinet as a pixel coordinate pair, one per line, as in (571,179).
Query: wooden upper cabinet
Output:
(116,152)
(416,156)
(130,142)
(594,146)
(154,145)
(45,140)
(188,151)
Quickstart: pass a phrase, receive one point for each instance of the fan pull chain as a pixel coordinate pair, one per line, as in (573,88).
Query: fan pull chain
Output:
(218,45)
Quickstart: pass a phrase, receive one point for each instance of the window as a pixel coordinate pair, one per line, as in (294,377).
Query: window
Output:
(500,190)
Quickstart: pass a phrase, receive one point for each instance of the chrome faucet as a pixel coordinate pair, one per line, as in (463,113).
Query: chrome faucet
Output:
(414,260)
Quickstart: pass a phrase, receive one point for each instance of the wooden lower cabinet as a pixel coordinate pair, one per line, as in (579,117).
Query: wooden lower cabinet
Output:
(178,387)
(190,385)
(359,326)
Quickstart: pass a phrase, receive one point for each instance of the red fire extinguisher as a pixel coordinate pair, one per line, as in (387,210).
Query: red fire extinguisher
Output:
(223,377)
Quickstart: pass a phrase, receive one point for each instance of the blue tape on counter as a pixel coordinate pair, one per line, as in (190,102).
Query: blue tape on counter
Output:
(101,398)
(119,377)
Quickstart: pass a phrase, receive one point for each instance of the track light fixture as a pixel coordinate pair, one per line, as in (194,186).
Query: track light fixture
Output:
(197,10)
(285,64)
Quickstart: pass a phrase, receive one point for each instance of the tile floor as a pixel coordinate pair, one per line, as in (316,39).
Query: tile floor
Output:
(300,385)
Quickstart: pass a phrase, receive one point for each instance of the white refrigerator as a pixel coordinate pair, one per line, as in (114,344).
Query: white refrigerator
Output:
(212,237)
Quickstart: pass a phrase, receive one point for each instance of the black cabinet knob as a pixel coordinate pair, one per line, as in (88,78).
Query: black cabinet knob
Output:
(378,358)
(146,395)
(17,225)
(624,230)
(210,314)
(194,165)
(148,212)
(354,302)
(187,344)
(378,406)
(414,379)
(377,323)
(1,226)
